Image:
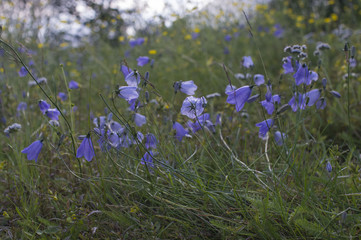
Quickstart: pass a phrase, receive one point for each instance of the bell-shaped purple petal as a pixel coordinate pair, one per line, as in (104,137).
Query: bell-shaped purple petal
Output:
(62,96)
(125,70)
(193,107)
(22,106)
(312,76)
(43,105)
(301,75)
(113,139)
(279,138)
(139,119)
(52,113)
(143,60)
(180,131)
(313,96)
(264,127)
(321,103)
(147,159)
(239,97)
(133,79)
(328,167)
(258,79)
(73,85)
(23,72)
(33,150)
(188,87)
(352,62)
(230,88)
(228,38)
(86,149)
(269,106)
(128,92)
(247,62)
(116,127)
(287,65)
(150,141)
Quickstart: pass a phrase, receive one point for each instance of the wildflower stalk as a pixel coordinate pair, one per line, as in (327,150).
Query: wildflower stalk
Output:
(47,96)
(348,90)
(70,103)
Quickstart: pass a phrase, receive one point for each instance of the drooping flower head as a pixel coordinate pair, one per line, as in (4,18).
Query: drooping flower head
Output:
(128,92)
(187,87)
(33,150)
(86,149)
(258,79)
(180,131)
(143,60)
(52,113)
(239,97)
(193,107)
(73,84)
(147,159)
(279,138)
(125,70)
(43,105)
(247,62)
(287,65)
(21,107)
(23,72)
(133,78)
(139,119)
(150,141)
(62,96)
(264,127)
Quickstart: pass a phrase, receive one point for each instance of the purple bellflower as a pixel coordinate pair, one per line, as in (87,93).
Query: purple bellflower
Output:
(86,149)
(73,85)
(128,92)
(150,141)
(139,119)
(147,159)
(228,38)
(125,70)
(269,105)
(264,127)
(133,79)
(301,75)
(180,131)
(136,42)
(52,113)
(321,103)
(247,62)
(328,167)
(258,79)
(62,96)
(143,60)
(187,87)
(21,107)
(43,105)
(279,138)
(313,96)
(33,150)
(287,65)
(23,72)
(193,107)
(239,97)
